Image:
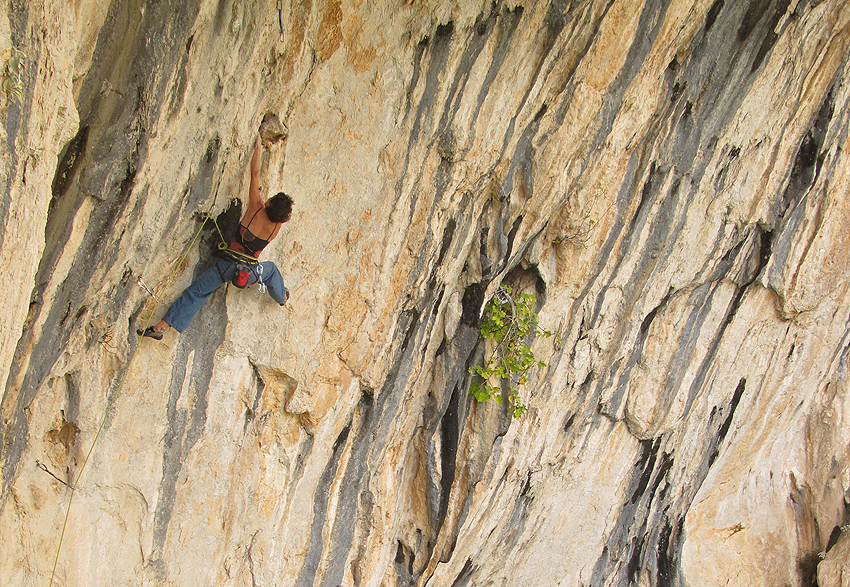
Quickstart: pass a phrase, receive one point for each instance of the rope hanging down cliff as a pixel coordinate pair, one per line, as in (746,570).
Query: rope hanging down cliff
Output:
(170,278)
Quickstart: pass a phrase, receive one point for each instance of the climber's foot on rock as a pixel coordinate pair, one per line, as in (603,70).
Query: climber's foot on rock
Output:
(150,332)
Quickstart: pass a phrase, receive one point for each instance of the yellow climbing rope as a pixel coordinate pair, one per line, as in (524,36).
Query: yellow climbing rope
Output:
(73,486)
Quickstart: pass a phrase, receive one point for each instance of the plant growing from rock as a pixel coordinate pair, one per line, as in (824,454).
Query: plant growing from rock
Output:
(510,321)
(12,83)
(581,224)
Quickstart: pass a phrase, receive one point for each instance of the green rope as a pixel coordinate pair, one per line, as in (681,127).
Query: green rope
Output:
(208,215)
(114,397)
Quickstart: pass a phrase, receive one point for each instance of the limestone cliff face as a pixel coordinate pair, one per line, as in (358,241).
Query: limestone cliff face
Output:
(670,178)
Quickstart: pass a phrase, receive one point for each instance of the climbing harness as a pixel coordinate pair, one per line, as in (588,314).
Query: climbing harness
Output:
(245,264)
(280,17)
(227,251)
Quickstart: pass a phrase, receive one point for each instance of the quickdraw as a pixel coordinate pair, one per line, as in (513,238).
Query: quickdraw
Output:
(44,468)
(147,289)
(262,286)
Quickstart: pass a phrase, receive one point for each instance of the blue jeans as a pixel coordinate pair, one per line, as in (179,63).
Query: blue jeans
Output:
(185,307)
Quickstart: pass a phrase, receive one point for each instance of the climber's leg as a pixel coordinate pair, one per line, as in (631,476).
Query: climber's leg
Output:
(185,307)
(274,282)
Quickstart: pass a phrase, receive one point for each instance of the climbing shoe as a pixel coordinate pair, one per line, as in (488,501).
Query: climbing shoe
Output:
(149,331)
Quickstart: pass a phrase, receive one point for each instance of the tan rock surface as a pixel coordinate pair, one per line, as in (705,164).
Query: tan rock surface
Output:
(669,177)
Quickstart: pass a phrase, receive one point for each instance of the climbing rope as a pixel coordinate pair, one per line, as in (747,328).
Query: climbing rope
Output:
(73,486)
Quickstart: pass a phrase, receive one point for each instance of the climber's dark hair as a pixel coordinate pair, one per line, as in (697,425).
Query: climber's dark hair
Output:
(279,208)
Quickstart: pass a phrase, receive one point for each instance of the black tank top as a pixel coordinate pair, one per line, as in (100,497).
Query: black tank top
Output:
(252,244)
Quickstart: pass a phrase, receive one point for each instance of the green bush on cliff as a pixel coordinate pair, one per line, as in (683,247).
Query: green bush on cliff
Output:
(510,321)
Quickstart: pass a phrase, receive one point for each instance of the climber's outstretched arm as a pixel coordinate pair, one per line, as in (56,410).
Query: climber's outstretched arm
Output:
(255,196)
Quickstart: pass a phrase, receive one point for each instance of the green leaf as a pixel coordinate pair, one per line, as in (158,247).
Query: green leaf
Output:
(478,392)
(509,320)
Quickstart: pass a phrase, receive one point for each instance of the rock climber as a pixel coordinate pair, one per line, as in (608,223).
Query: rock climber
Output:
(259,225)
